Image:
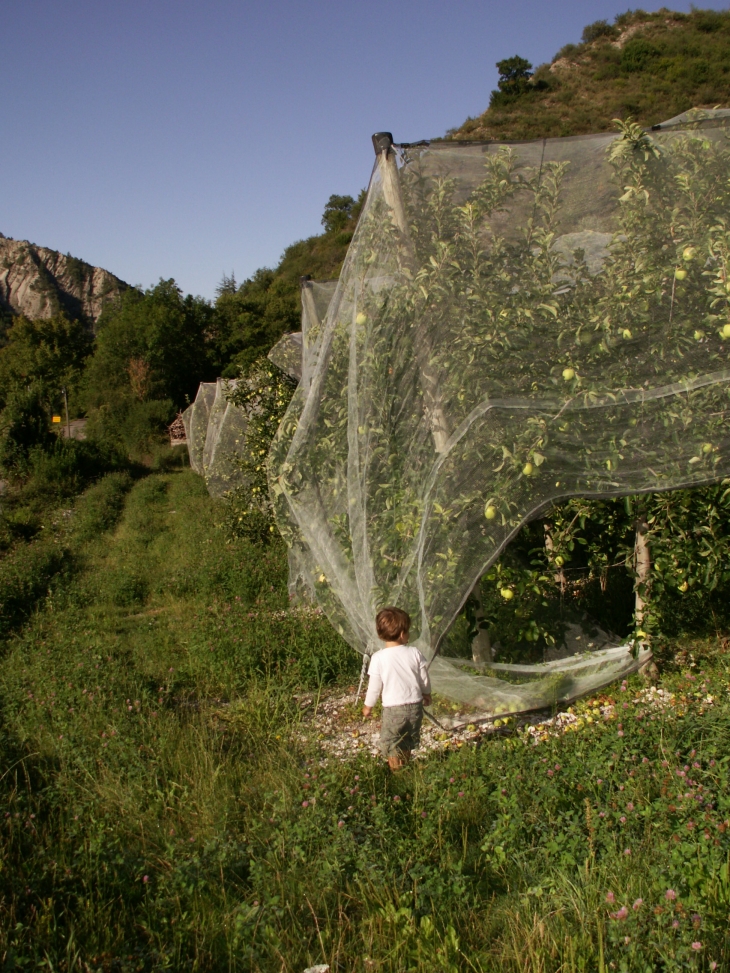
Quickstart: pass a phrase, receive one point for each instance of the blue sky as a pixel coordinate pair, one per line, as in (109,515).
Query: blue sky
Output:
(171,138)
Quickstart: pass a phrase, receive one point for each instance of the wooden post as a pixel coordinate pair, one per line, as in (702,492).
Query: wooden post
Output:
(383,144)
(642,569)
(308,306)
(481,646)
(68,422)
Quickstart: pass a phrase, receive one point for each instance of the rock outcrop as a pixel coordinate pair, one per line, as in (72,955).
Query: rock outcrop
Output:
(38,283)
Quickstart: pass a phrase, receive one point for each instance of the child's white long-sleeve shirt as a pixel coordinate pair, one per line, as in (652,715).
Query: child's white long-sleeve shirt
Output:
(401,673)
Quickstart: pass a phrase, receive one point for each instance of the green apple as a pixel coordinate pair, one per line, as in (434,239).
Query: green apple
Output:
(490,511)
(706,448)
(559,561)
(568,374)
(680,274)
(361,319)
(507,593)
(688,254)
(626,333)
(683,586)
(527,469)
(726,330)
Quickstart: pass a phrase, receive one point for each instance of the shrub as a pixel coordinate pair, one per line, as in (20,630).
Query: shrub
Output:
(638,54)
(24,427)
(599,28)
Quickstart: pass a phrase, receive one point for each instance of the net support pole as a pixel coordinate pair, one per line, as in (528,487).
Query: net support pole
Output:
(68,421)
(642,570)
(481,646)
(310,316)
(363,671)
(310,319)
(432,401)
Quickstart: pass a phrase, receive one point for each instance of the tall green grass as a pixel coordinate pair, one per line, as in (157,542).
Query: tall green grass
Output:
(159,812)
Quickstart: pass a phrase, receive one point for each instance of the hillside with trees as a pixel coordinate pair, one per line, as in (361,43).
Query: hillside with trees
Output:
(651,66)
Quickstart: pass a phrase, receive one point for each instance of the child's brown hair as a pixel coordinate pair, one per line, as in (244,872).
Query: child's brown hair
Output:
(392,623)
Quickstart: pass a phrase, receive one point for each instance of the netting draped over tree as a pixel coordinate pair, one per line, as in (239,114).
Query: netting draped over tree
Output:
(215,425)
(195,419)
(287,355)
(316,297)
(295,353)
(224,441)
(514,324)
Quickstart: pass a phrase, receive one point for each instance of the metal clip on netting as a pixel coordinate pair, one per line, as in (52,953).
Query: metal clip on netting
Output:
(514,324)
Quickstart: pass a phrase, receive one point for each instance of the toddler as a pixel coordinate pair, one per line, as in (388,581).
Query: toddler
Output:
(400,671)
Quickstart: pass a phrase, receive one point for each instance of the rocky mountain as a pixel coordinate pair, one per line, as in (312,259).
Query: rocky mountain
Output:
(38,283)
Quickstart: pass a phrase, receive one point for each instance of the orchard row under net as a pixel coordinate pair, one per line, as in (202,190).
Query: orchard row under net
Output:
(515,324)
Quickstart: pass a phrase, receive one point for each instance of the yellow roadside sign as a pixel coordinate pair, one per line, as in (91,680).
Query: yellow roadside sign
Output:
(56,418)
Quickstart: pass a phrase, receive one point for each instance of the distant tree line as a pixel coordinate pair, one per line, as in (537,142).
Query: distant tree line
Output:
(150,352)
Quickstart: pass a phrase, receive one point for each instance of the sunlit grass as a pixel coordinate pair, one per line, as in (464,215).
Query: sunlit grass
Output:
(158,812)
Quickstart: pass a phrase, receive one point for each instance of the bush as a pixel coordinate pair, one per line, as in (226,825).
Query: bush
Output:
(67,467)
(136,428)
(599,28)
(23,429)
(638,54)
(568,50)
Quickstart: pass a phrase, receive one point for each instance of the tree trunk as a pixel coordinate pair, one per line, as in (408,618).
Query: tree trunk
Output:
(559,575)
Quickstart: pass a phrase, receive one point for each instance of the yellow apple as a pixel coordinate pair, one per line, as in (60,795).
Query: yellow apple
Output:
(507,593)
(680,274)
(527,469)
(361,319)
(568,374)
(726,331)
(626,333)
(490,511)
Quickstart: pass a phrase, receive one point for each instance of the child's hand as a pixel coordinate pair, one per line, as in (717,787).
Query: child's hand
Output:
(366,711)
(427,699)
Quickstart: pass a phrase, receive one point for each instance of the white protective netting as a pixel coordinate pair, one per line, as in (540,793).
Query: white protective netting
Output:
(514,324)
(296,355)
(215,427)
(224,441)
(195,419)
(287,355)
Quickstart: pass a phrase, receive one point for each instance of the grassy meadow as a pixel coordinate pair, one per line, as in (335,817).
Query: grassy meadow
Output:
(157,812)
